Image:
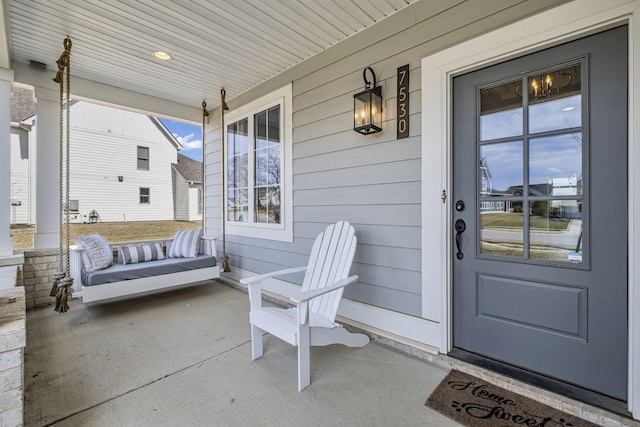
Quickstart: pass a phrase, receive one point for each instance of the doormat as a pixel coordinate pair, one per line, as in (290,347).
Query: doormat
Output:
(473,402)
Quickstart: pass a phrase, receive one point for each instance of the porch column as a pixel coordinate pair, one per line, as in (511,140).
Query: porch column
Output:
(6,242)
(47,171)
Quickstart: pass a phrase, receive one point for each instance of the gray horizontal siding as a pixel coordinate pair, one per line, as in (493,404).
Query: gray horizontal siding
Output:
(372,181)
(386,173)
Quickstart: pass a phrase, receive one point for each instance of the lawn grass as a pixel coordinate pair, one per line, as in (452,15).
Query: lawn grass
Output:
(112,231)
(515,221)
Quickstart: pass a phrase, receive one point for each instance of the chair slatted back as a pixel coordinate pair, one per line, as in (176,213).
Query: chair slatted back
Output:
(330,261)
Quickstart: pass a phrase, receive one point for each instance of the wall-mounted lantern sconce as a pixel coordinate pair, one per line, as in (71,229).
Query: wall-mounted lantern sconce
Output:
(367,107)
(120,178)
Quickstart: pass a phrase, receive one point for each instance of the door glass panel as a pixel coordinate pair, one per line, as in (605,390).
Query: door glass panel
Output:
(562,113)
(555,100)
(555,165)
(501,169)
(502,232)
(531,166)
(555,230)
(500,111)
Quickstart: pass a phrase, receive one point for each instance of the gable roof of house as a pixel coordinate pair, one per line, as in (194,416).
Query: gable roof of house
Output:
(189,169)
(22,104)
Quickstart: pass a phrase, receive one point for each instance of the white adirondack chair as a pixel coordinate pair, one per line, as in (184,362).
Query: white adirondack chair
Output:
(312,321)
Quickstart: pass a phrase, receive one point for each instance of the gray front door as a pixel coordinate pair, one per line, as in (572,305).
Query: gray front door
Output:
(540,207)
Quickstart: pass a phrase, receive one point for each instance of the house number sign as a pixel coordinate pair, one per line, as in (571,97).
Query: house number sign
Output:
(403,102)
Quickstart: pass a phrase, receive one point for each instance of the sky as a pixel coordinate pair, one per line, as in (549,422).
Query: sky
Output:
(549,157)
(190,136)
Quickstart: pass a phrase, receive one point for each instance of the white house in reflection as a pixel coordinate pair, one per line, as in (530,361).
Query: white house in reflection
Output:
(494,203)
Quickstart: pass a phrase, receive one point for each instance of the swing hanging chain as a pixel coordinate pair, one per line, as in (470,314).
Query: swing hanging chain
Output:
(62,283)
(225,258)
(59,78)
(205,114)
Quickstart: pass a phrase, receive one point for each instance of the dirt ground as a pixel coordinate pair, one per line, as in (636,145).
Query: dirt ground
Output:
(112,231)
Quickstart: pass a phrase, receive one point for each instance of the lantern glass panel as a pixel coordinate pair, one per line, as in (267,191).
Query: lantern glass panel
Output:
(361,104)
(376,110)
(367,111)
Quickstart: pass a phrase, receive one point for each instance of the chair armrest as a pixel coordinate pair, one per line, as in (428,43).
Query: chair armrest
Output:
(308,295)
(209,245)
(261,277)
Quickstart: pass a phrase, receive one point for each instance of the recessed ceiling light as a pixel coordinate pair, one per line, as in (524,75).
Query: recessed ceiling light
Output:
(568,108)
(162,55)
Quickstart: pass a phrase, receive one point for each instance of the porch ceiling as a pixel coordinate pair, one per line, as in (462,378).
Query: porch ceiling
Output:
(214,43)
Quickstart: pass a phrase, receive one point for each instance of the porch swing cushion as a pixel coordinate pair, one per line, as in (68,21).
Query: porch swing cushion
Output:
(124,272)
(97,254)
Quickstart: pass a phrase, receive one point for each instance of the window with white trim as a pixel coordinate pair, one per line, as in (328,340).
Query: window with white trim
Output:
(258,168)
(143,158)
(145,195)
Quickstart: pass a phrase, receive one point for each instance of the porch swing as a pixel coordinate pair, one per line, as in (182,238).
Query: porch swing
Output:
(105,271)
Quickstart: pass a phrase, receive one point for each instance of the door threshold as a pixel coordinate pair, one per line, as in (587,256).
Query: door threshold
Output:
(564,389)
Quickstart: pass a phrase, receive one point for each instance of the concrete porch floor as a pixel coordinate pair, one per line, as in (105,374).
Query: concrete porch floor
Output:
(183,358)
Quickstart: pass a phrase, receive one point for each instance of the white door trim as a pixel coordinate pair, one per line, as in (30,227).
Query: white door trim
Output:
(569,21)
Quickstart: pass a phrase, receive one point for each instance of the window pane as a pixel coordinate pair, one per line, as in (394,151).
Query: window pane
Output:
(273,177)
(274,125)
(260,129)
(143,164)
(237,205)
(501,111)
(267,166)
(502,233)
(500,169)
(556,230)
(555,165)
(143,158)
(267,205)
(262,167)
(237,137)
(562,113)
(556,100)
(145,195)
(238,171)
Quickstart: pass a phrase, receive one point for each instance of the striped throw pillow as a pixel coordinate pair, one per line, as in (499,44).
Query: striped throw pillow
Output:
(142,253)
(186,244)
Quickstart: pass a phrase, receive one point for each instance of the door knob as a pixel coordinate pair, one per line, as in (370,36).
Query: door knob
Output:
(459,226)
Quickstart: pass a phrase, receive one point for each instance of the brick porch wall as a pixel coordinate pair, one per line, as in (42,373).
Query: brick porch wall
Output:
(37,275)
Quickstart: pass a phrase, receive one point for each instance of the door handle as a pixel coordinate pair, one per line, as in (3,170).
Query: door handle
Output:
(460,226)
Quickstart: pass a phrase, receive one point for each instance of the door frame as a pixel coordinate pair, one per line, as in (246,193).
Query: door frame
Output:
(570,21)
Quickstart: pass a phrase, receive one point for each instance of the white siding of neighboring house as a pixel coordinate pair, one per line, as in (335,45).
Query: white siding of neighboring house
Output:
(194,195)
(186,199)
(104,145)
(21,184)
(181,194)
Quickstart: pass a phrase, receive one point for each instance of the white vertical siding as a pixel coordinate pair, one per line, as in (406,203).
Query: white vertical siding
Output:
(103,147)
